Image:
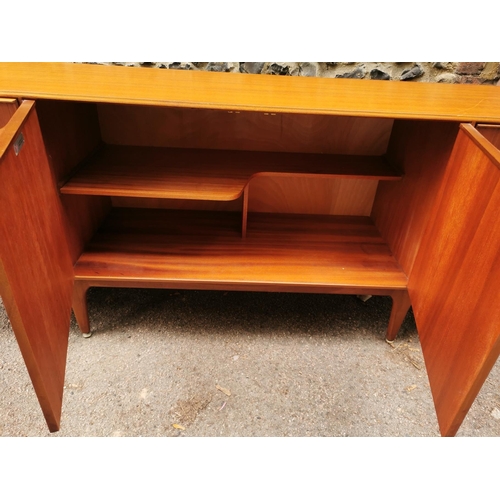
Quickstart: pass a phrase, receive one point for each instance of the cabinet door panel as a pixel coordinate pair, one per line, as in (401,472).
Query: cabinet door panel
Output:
(36,274)
(455,283)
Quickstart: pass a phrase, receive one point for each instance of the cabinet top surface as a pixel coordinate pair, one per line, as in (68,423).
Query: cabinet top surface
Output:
(234,91)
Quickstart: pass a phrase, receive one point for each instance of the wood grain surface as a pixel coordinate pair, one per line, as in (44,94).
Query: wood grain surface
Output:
(7,109)
(267,93)
(206,248)
(299,195)
(128,125)
(71,133)
(454,285)
(401,209)
(329,196)
(491,133)
(199,174)
(36,273)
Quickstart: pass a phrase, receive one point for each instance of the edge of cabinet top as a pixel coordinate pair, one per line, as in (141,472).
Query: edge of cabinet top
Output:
(235,91)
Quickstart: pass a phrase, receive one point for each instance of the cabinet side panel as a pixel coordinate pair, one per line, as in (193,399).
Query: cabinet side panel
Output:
(401,209)
(71,133)
(36,274)
(84,215)
(247,131)
(7,109)
(454,287)
(492,133)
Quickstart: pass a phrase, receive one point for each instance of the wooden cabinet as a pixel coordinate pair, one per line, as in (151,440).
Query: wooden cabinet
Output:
(127,177)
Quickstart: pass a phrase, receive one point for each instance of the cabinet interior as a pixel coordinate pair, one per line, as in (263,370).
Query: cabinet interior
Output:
(310,201)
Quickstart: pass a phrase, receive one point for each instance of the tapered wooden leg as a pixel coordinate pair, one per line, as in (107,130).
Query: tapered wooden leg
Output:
(80,307)
(400,306)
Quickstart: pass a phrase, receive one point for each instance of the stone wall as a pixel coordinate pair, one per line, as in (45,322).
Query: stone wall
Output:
(444,72)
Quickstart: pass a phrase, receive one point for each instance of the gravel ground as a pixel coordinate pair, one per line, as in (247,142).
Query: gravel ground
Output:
(236,364)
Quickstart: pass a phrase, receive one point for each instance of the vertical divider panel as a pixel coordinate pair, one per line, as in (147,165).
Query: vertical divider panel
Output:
(421,150)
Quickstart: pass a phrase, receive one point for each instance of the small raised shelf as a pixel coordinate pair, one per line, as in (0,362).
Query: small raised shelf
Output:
(206,174)
(204,250)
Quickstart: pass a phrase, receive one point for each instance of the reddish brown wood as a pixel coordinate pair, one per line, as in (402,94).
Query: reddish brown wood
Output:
(400,305)
(7,109)
(83,216)
(204,251)
(454,285)
(401,209)
(245,131)
(329,196)
(80,307)
(71,134)
(440,221)
(207,174)
(36,274)
(490,133)
(487,147)
(126,202)
(244,212)
(203,247)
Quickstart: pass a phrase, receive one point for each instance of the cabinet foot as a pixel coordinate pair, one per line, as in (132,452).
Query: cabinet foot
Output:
(400,306)
(80,307)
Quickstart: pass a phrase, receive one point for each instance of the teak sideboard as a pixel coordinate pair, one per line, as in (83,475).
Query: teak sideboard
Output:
(132,177)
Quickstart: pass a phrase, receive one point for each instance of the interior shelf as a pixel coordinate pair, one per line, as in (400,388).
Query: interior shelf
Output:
(282,252)
(206,174)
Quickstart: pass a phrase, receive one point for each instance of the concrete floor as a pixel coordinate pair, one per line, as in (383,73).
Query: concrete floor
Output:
(236,364)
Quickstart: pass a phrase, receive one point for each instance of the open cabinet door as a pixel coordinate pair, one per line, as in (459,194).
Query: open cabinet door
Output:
(455,282)
(36,273)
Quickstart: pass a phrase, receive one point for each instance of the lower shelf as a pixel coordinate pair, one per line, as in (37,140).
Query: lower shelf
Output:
(204,250)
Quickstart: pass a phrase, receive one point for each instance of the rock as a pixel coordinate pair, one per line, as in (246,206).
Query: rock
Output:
(440,65)
(410,74)
(496,413)
(278,69)
(491,71)
(357,73)
(221,67)
(474,80)
(308,69)
(127,63)
(447,78)
(179,65)
(251,67)
(470,68)
(377,74)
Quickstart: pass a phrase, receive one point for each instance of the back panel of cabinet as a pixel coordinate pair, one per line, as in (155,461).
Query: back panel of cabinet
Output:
(252,131)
